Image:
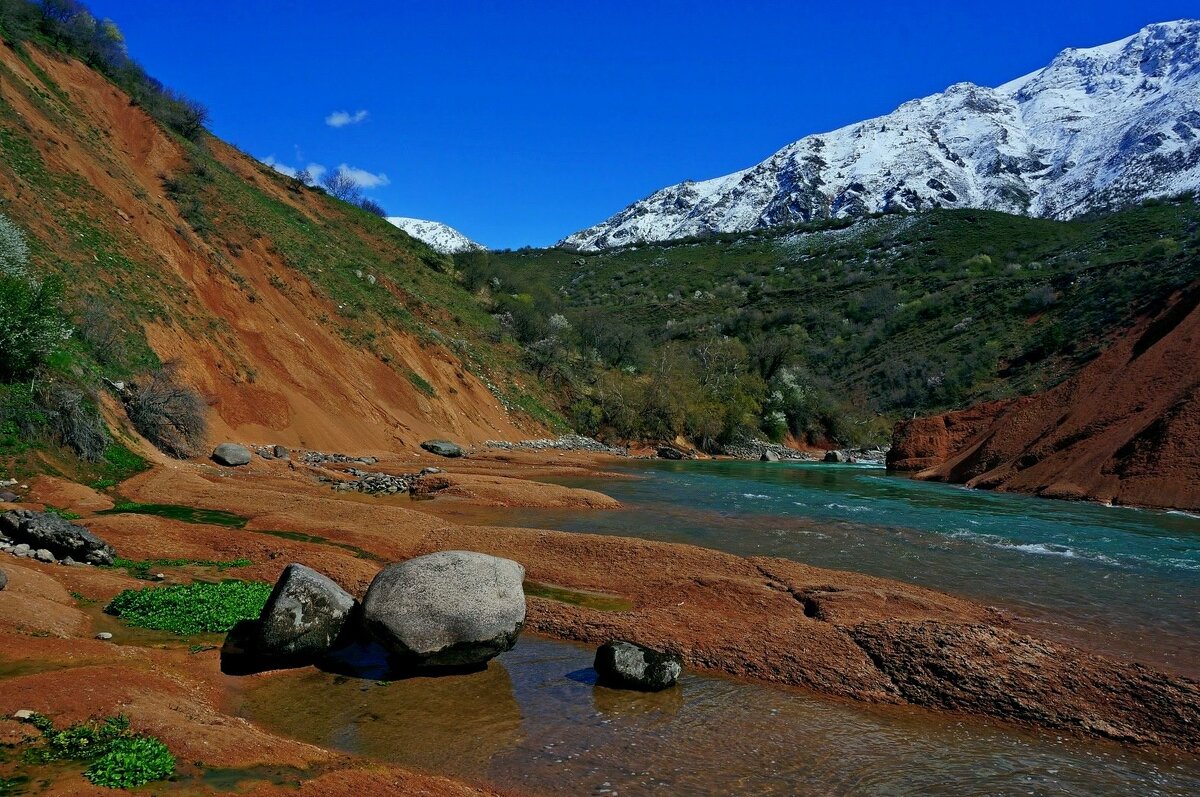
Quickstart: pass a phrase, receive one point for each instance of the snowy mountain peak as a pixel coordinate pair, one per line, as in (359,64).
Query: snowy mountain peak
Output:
(1098,127)
(441,237)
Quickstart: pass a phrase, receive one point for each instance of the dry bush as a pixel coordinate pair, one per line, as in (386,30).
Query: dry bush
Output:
(72,418)
(102,333)
(168,414)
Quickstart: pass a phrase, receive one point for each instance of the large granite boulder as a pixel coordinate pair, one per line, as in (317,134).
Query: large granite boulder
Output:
(304,616)
(446,609)
(625,665)
(834,457)
(443,448)
(61,538)
(231,454)
(669,452)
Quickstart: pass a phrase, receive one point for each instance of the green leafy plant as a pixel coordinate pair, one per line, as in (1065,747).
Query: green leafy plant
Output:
(132,761)
(196,608)
(119,758)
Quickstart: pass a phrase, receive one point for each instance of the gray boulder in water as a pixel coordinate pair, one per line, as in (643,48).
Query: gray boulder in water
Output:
(625,665)
(443,448)
(60,538)
(304,616)
(668,452)
(446,609)
(231,454)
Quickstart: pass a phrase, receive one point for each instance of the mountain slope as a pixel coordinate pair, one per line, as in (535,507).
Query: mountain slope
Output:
(1097,128)
(441,237)
(1125,429)
(302,320)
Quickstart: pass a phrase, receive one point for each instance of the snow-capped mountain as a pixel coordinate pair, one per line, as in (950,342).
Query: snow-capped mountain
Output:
(441,237)
(1098,127)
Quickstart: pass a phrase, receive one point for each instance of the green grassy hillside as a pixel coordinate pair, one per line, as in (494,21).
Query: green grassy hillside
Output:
(842,328)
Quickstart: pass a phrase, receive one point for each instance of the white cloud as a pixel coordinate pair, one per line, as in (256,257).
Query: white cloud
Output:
(282,168)
(315,170)
(363,177)
(343,118)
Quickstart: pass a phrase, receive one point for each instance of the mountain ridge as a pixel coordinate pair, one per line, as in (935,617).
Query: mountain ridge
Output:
(1098,127)
(441,237)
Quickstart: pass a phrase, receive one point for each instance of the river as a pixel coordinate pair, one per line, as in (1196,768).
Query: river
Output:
(1121,580)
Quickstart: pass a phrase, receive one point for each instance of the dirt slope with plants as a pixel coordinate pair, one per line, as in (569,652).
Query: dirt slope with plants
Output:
(300,319)
(1125,429)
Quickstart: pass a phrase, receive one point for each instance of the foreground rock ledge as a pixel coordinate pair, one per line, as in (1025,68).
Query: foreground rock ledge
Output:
(772,620)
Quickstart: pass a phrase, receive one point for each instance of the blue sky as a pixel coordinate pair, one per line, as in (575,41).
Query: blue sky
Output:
(520,122)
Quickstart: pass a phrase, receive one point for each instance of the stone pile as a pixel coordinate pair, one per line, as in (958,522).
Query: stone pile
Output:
(49,538)
(373,483)
(570,442)
(272,452)
(319,458)
(758,449)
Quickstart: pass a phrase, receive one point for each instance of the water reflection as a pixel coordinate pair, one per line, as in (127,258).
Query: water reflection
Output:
(534,721)
(439,723)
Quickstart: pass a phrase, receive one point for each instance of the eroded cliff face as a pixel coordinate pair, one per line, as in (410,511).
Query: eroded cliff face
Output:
(1125,429)
(300,319)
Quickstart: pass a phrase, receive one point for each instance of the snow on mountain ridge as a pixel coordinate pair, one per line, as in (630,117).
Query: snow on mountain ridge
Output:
(1097,127)
(439,236)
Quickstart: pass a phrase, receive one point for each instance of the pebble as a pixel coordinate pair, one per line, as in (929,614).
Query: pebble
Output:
(104,635)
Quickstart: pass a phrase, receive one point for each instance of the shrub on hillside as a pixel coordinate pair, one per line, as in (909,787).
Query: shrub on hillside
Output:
(371,206)
(32,325)
(71,417)
(168,414)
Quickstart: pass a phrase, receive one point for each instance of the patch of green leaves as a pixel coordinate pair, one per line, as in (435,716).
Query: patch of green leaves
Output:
(119,758)
(196,608)
(132,762)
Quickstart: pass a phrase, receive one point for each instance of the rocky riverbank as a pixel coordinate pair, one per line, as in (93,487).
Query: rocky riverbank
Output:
(773,620)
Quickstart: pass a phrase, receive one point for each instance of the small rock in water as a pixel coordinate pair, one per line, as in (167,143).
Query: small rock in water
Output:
(625,665)
(104,635)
